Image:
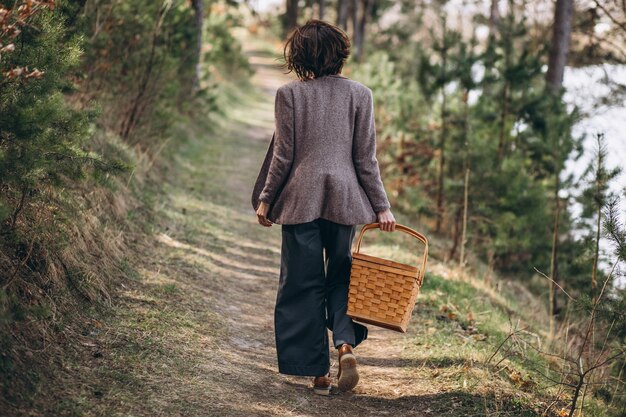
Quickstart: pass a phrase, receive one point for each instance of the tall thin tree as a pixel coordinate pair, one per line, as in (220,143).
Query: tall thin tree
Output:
(342,14)
(355,8)
(291,16)
(594,199)
(366,11)
(562,29)
(198,8)
(494,18)
(443,53)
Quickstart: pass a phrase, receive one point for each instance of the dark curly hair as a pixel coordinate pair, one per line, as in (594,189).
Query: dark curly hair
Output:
(316,49)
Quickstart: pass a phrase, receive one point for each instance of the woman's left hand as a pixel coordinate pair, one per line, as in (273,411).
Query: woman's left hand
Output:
(261,214)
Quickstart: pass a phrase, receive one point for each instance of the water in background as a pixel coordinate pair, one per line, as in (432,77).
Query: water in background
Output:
(590,88)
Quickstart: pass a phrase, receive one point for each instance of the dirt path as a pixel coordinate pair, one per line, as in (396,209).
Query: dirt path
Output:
(222,261)
(190,332)
(245,365)
(193,335)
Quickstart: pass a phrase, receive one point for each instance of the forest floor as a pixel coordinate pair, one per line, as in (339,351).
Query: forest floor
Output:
(191,333)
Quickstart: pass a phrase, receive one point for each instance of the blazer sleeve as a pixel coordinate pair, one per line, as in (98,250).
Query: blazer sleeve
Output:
(364,154)
(283,154)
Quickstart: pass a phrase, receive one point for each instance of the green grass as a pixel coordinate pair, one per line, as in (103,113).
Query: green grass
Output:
(160,349)
(458,326)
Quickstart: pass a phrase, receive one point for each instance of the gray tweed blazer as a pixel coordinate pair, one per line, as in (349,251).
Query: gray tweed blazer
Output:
(321,161)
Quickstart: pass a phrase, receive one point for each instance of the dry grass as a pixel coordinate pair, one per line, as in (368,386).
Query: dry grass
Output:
(191,282)
(78,249)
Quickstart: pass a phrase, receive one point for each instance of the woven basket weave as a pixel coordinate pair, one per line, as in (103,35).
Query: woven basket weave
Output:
(383,292)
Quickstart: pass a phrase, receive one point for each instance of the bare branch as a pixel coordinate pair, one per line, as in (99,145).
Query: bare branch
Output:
(606,12)
(554,282)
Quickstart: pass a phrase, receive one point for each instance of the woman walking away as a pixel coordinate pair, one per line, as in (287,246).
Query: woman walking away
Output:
(320,179)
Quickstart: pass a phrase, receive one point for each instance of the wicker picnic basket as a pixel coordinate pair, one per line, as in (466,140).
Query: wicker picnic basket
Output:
(383,292)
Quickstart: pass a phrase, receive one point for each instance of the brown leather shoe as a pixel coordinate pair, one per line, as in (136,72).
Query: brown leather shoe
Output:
(321,385)
(347,377)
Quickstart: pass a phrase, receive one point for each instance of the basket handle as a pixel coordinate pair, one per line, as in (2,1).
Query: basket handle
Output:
(404,229)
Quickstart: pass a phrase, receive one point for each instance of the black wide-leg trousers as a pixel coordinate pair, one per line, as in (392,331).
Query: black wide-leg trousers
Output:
(313,296)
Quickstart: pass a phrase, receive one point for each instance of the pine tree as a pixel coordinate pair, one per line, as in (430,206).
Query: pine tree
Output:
(434,79)
(41,136)
(594,198)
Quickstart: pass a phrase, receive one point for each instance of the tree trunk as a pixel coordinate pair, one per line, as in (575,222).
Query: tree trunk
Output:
(456,234)
(322,5)
(356,6)
(504,108)
(292,16)
(361,24)
(579,385)
(554,265)
(494,18)
(442,141)
(467,173)
(464,233)
(564,9)
(198,8)
(596,255)
(134,114)
(342,14)
(503,116)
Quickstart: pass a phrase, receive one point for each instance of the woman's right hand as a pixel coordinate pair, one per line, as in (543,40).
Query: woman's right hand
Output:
(261,214)
(386,220)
